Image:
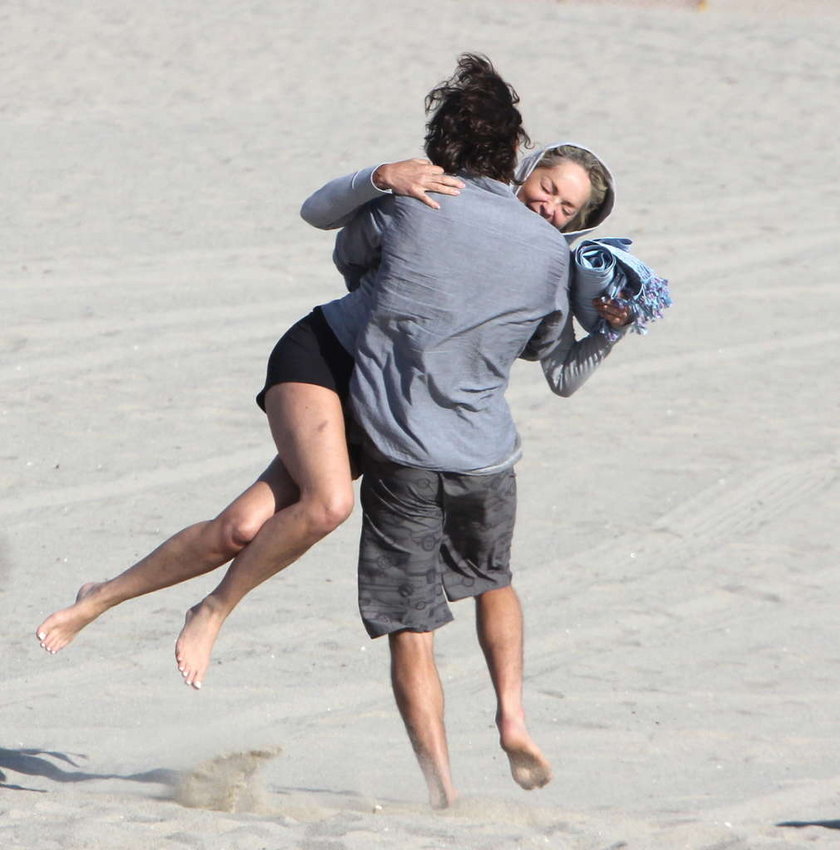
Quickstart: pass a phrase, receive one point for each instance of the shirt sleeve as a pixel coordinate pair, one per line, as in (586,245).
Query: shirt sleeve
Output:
(546,336)
(568,365)
(358,245)
(335,203)
(550,330)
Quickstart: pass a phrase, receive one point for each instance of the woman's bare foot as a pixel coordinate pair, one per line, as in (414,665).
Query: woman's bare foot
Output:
(195,643)
(62,626)
(528,766)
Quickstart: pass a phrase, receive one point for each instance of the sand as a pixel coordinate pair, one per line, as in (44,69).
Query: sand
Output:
(676,550)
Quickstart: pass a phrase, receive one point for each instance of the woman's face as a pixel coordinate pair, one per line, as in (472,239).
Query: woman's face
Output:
(557,193)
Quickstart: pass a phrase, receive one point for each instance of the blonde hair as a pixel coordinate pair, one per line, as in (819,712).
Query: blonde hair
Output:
(598,178)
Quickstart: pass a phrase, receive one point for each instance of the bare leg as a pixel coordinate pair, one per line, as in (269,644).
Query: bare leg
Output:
(307,423)
(419,696)
(189,553)
(499,626)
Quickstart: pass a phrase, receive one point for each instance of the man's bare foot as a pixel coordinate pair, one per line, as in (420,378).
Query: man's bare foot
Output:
(528,766)
(441,794)
(195,643)
(62,626)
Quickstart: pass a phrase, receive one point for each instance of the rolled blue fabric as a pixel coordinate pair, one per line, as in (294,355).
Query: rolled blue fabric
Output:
(605,268)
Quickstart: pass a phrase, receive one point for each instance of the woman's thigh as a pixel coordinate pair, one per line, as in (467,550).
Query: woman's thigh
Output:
(307,423)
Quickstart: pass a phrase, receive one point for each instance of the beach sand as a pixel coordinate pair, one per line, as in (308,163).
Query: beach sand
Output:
(676,551)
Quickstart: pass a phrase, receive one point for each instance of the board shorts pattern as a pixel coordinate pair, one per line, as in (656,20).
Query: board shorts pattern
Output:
(309,353)
(429,538)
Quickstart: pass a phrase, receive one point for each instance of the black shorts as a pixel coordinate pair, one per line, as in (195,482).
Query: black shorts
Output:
(428,537)
(309,353)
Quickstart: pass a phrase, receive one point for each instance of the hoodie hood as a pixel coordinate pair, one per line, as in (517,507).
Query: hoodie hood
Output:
(529,163)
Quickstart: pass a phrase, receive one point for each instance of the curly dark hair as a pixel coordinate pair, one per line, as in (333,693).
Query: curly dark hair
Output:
(475,126)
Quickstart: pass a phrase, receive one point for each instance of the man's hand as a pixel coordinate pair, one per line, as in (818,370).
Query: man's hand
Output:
(415,178)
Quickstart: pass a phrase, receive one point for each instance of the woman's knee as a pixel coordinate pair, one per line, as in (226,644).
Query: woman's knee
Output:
(236,530)
(325,513)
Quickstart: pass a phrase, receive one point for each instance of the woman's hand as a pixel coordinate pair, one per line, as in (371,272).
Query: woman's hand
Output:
(617,314)
(415,178)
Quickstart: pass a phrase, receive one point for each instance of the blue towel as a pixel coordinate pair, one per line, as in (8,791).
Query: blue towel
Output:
(604,268)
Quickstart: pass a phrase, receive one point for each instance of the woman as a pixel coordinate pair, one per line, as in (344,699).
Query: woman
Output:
(306,491)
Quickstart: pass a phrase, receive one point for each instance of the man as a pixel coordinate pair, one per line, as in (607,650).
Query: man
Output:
(452,297)
(460,293)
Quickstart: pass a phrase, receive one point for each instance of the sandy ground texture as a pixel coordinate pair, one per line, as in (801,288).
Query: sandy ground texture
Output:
(676,555)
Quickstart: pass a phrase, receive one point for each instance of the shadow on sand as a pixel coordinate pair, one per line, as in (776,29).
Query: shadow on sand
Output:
(800,824)
(42,763)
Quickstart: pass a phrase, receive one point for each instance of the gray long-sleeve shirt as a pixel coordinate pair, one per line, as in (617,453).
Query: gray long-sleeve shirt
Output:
(566,366)
(458,294)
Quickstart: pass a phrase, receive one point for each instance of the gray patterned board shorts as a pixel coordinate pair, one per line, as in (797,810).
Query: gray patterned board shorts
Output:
(428,537)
